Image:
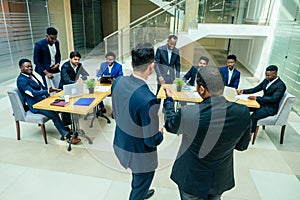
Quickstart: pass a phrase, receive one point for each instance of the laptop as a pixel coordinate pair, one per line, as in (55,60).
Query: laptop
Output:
(106,79)
(229,93)
(74,90)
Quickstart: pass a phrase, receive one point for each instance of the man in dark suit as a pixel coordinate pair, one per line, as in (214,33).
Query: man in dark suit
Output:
(70,73)
(190,76)
(211,131)
(167,62)
(33,91)
(273,88)
(137,124)
(110,67)
(47,56)
(230,74)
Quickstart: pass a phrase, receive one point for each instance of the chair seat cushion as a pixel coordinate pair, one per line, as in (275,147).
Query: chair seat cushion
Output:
(271,120)
(35,118)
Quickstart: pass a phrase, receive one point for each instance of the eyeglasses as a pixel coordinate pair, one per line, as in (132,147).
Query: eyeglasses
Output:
(27,66)
(110,60)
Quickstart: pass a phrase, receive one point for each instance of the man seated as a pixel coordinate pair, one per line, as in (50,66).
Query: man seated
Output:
(70,73)
(230,74)
(109,67)
(33,91)
(190,77)
(273,90)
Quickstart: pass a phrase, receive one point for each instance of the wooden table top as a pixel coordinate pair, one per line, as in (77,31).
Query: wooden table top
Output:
(191,95)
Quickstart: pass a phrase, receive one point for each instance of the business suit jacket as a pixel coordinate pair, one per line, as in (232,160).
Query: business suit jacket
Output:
(190,76)
(116,70)
(235,78)
(31,91)
(42,57)
(210,132)
(271,97)
(137,124)
(69,76)
(162,65)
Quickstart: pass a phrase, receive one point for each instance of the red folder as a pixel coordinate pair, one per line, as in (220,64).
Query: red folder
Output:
(59,102)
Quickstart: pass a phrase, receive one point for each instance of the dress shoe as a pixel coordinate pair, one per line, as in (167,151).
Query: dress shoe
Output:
(149,194)
(74,141)
(103,110)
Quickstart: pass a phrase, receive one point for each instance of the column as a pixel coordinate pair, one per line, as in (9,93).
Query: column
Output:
(123,27)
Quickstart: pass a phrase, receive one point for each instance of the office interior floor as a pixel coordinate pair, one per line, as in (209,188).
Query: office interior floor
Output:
(30,169)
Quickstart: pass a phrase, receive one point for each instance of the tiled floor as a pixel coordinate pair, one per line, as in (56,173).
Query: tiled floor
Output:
(29,169)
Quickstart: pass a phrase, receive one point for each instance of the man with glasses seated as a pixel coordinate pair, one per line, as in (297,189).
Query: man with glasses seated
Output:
(109,68)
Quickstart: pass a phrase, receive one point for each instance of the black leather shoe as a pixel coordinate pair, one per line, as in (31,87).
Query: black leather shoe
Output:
(149,194)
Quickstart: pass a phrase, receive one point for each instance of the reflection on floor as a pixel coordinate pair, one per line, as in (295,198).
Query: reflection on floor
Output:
(29,169)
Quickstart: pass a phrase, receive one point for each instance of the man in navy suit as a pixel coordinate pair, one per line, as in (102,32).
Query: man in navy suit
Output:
(47,56)
(167,62)
(230,74)
(211,130)
(137,131)
(33,91)
(273,88)
(190,76)
(110,67)
(70,73)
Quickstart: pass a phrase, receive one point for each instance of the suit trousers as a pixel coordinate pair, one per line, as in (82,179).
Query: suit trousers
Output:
(140,185)
(257,115)
(186,196)
(56,120)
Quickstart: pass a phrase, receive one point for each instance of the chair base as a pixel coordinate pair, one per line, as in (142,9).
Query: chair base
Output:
(42,127)
(281,133)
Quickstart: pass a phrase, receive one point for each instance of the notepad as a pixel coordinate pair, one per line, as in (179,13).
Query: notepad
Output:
(84,101)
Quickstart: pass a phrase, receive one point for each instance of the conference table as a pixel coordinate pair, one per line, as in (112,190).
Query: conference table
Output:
(76,110)
(190,95)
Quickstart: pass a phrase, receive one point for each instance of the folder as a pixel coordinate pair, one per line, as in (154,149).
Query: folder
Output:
(84,101)
(59,102)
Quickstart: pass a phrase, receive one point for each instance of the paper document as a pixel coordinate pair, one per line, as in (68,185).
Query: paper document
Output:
(193,94)
(102,88)
(242,96)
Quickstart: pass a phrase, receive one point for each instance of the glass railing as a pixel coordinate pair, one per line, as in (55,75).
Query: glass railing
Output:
(171,19)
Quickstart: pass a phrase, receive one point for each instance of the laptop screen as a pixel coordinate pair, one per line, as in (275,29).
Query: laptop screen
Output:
(74,90)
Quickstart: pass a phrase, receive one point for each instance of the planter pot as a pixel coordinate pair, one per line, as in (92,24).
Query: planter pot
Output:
(91,90)
(179,88)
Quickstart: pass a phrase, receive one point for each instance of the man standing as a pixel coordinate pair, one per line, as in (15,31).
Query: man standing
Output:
(230,74)
(70,73)
(47,55)
(273,88)
(137,124)
(211,131)
(167,60)
(33,91)
(190,76)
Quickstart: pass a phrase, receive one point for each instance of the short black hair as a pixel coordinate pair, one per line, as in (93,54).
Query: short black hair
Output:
(211,79)
(172,37)
(272,68)
(75,54)
(110,53)
(204,58)
(142,55)
(23,60)
(231,57)
(51,31)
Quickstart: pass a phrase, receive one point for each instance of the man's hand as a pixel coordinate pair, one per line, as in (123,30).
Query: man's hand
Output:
(49,75)
(252,97)
(51,89)
(162,130)
(167,91)
(55,66)
(239,91)
(161,80)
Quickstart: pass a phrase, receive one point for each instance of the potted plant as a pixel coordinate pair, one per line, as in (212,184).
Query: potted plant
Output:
(90,84)
(179,83)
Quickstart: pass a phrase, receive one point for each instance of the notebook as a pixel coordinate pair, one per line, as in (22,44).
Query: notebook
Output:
(74,90)
(84,101)
(229,93)
(106,79)
(59,102)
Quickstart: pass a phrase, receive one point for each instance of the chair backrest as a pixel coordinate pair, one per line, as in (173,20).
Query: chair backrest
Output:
(54,82)
(285,107)
(17,103)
